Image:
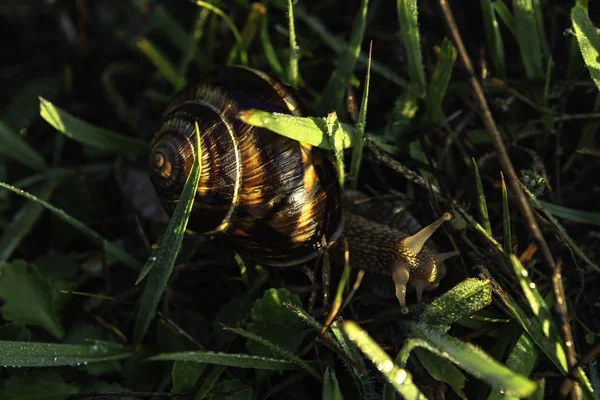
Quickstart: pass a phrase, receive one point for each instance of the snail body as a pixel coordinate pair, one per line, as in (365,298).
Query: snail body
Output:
(277,201)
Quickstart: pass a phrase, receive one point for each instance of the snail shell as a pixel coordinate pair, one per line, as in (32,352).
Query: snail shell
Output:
(276,200)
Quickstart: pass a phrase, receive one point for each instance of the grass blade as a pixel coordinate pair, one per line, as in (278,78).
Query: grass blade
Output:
(15,148)
(506,234)
(257,13)
(332,97)
(231,25)
(111,248)
(398,377)
(230,360)
(34,354)
(293,67)
(493,38)
(311,130)
(89,134)
(473,360)
(584,217)
(357,150)
(506,16)
(526,25)
(411,38)
(268,50)
(466,298)
(163,65)
(483,211)
(22,222)
(160,264)
(436,90)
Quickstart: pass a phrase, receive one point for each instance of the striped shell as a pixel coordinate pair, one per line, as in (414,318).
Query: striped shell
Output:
(276,200)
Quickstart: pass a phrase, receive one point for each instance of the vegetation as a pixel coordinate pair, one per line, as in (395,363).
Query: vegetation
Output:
(487,109)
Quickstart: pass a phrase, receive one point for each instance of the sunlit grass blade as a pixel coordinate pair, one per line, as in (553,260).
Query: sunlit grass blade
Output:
(257,12)
(282,352)
(332,97)
(357,150)
(15,148)
(337,300)
(436,89)
(408,16)
(473,360)
(336,142)
(507,235)
(89,134)
(493,38)
(571,214)
(311,130)
(528,39)
(22,222)
(466,298)
(483,211)
(293,77)
(160,264)
(163,65)
(396,376)
(109,247)
(521,359)
(35,354)
(231,25)
(230,360)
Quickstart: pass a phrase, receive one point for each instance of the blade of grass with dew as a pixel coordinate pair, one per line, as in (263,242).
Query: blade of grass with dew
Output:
(89,134)
(408,16)
(332,97)
(464,299)
(160,264)
(506,16)
(473,360)
(257,13)
(286,354)
(535,329)
(528,39)
(521,359)
(483,210)
(23,221)
(231,25)
(229,360)
(571,214)
(36,354)
(357,150)
(336,142)
(339,46)
(163,65)
(493,38)
(109,247)
(396,376)
(536,303)
(436,89)
(311,130)
(565,236)
(17,149)
(268,50)
(293,77)
(506,234)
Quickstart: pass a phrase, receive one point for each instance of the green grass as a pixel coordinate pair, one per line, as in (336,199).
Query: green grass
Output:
(101,293)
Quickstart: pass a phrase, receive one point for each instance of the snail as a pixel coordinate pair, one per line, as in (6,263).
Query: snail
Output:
(277,201)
